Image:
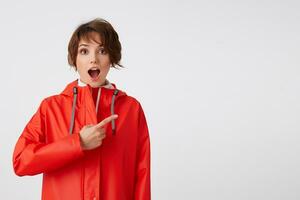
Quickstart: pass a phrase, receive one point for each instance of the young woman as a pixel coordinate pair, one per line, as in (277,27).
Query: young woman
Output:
(91,141)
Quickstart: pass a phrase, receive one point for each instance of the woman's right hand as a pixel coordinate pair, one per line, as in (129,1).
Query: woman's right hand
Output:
(91,136)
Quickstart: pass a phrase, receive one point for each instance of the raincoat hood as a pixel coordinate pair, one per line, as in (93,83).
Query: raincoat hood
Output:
(68,91)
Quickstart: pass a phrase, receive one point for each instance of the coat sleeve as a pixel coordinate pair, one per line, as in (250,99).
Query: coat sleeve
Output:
(142,177)
(32,155)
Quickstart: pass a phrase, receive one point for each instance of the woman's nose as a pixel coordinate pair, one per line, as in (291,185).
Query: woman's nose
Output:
(94,58)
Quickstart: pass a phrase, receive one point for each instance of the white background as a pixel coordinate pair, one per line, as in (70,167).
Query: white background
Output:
(218,81)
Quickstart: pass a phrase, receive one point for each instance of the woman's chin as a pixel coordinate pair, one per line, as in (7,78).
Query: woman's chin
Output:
(93,82)
(96,83)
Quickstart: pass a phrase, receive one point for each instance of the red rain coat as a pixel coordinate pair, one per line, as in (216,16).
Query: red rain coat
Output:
(117,170)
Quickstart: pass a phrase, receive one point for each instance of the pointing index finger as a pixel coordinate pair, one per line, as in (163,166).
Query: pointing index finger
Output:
(106,121)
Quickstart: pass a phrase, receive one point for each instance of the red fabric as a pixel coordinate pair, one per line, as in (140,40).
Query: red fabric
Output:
(118,170)
(94,94)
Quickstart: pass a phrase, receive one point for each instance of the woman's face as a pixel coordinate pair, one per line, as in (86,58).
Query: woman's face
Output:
(92,61)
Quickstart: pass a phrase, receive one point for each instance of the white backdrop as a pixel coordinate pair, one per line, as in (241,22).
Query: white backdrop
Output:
(218,81)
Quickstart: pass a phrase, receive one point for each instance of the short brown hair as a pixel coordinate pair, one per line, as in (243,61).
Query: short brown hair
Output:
(109,37)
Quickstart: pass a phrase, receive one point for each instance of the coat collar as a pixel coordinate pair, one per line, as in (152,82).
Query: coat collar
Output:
(68,91)
(107,84)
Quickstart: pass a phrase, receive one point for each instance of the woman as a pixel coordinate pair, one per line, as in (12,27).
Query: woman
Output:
(91,141)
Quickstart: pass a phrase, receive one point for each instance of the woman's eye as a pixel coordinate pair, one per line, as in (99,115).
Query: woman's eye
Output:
(102,51)
(83,51)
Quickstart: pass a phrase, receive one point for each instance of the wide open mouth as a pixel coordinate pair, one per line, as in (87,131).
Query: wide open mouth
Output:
(94,72)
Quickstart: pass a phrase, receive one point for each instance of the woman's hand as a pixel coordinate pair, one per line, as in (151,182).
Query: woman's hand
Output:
(91,136)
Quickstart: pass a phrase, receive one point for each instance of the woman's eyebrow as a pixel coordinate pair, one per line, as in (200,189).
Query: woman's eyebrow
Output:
(83,45)
(100,45)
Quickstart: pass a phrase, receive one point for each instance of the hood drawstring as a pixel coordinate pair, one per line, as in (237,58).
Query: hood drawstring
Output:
(73,109)
(113,125)
(75,92)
